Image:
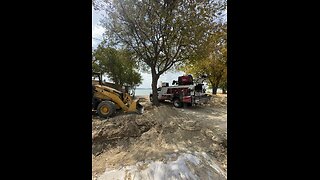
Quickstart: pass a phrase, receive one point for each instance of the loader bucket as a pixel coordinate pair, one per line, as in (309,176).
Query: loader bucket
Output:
(140,108)
(135,106)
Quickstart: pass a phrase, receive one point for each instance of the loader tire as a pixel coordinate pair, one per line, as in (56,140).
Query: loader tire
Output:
(106,109)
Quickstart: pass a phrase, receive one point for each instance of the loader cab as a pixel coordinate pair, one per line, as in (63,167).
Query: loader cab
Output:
(131,91)
(97,75)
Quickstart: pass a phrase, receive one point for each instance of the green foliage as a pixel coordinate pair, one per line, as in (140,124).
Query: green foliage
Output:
(118,65)
(98,4)
(211,59)
(161,33)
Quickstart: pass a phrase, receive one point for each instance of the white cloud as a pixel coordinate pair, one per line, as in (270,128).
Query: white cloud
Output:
(97,32)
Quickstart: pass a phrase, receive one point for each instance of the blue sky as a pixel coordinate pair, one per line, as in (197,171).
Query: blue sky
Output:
(97,33)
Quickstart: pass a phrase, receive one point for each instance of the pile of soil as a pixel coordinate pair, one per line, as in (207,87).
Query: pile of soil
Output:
(117,130)
(159,133)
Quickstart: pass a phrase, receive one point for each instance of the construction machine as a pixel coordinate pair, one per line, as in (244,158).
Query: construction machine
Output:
(107,100)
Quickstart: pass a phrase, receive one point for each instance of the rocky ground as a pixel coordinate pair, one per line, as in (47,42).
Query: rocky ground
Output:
(163,143)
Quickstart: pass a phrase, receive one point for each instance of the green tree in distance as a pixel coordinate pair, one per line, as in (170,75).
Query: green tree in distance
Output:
(118,65)
(211,60)
(161,33)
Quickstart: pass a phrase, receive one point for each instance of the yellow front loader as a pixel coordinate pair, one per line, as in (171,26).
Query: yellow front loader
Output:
(107,100)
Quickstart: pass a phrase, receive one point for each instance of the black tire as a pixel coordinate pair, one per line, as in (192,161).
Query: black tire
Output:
(177,103)
(106,109)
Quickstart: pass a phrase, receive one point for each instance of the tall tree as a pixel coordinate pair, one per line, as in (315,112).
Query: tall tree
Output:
(162,33)
(118,65)
(211,59)
(98,4)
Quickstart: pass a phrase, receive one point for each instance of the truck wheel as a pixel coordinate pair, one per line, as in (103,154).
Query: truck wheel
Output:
(177,103)
(106,109)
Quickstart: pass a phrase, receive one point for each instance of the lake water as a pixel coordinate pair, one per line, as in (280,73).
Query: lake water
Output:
(143,91)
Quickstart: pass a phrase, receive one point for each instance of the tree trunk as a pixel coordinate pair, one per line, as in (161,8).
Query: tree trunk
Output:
(155,78)
(214,89)
(224,91)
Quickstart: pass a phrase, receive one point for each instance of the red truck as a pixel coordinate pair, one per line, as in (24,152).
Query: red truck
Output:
(184,91)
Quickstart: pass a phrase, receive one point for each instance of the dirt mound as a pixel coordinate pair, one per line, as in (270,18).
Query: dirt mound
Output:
(106,134)
(218,100)
(161,135)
